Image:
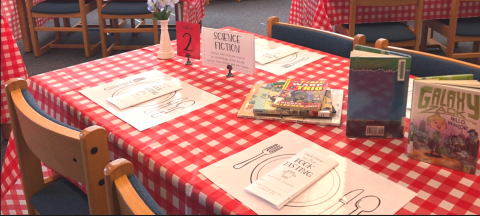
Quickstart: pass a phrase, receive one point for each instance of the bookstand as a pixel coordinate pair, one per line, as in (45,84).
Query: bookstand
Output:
(229,74)
(188,60)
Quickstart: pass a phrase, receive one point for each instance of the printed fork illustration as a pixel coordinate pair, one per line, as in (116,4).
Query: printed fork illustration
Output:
(270,150)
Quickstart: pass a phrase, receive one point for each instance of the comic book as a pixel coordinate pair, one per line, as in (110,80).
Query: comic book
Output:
(246,111)
(445,123)
(267,94)
(377,93)
(302,94)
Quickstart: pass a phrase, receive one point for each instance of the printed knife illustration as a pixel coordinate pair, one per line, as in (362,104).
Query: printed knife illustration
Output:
(270,150)
(343,201)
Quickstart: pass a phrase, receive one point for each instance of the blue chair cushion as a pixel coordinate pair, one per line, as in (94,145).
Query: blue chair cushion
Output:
(392,31)
(423,66)
(126,8)
(313,39)
(33,104)
(469,27)
(143,193)
(61,198)
(57,7)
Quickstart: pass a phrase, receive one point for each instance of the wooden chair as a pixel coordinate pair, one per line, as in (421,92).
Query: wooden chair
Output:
(65,10)
(79,155)
(317,39)
(127,10)
(398,33)
(425,64)
(455,30)
(125,193)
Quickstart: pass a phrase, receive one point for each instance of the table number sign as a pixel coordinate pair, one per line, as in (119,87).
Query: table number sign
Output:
(221,48)
(188,39)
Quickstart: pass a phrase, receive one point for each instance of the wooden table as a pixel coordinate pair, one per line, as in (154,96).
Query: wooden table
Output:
(167,158)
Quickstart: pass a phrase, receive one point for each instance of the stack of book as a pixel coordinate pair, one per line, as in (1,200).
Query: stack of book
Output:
(297,101)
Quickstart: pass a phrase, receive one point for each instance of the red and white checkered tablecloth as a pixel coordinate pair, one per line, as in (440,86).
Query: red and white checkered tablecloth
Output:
(168,157)
(193,12)
(11,67)
(323,14)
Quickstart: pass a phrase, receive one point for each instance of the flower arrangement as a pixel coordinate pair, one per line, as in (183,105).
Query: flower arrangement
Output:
(159,8)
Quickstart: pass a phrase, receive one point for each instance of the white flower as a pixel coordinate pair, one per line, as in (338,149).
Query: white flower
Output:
(163,3)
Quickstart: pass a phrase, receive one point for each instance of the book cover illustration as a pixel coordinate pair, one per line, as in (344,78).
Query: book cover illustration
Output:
(377,93)
(444,126)
(265,99)
(302,94)
(246,111)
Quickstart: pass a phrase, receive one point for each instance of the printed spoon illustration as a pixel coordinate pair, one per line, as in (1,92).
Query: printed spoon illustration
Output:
(174,101)
(366,204)
(131,81)
(343,201)
(270,150)
(181,105)
(291,64)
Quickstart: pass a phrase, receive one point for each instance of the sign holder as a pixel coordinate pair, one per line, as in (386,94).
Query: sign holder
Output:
(188,60)
(229,74)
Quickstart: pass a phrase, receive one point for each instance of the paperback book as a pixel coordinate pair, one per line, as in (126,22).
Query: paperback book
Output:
(293,176)
(444,124)
(302,94)
(377,93)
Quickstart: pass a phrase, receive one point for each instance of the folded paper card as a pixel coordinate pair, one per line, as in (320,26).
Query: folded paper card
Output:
(144,93)
(266,56)
(286,181)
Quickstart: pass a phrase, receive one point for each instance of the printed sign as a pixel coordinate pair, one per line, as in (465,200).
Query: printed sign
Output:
(188,39)
(221,48)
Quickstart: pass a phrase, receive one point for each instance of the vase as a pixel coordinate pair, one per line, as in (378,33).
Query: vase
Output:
(165,51)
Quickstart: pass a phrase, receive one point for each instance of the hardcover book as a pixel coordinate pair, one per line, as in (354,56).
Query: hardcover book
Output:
(377,93)
(293,176)
(302,94)
(445,123)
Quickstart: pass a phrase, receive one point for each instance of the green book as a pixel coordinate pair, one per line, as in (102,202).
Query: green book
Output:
(448,77)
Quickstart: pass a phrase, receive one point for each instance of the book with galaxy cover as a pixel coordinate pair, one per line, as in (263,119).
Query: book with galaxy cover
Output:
(444,123)
(302,94)
(377,93)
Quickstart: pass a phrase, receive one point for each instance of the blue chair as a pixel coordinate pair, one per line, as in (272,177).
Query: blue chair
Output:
(398,33)
(78,155)
(426,64)
(125,193)
(317,39)
(455,30)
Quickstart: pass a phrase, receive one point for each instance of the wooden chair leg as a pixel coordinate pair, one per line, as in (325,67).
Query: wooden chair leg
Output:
(6,129)
(86,39)
(117,35)
(132,23)
(58,35)
(66,23)
(424,37)
(476,48)
(103,36)
(156,37)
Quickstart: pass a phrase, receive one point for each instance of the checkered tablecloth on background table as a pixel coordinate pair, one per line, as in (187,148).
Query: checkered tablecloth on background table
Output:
(11,67)
(323,14)
(193,12)
(168,157)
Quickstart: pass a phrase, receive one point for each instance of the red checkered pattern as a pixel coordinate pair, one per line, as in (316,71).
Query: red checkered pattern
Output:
(168,157)
(12,65)
(193,12)
(9,10)
(327,13)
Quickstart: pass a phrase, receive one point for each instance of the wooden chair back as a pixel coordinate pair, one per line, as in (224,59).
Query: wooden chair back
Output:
(426,64)
(334,42)
(85,8)
(122,196)
(78,155)
(450,33)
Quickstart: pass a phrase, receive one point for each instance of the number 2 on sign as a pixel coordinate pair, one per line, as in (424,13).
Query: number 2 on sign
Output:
(189,41)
